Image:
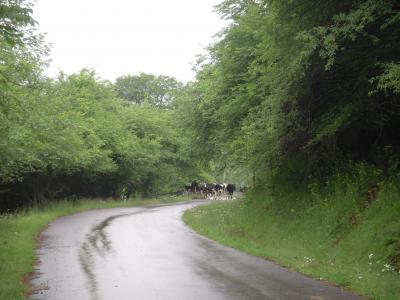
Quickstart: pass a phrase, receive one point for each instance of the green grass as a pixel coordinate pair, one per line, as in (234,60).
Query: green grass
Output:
(18,234)
(329,235)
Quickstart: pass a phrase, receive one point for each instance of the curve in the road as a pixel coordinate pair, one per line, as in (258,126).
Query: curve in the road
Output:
(148,253)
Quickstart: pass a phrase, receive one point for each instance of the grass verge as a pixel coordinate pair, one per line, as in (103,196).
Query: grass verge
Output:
(18,234)
(339,236)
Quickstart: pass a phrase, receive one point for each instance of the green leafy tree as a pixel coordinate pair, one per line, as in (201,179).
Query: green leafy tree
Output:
(16,21)
(298,85)
(147,89)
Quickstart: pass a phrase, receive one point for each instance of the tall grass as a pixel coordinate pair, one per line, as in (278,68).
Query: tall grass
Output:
(18,234)
(342,231)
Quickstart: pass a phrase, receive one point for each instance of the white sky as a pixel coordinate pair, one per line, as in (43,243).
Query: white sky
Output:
(120,37)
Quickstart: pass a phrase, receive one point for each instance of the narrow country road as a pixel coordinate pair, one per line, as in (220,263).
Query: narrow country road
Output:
(148,253)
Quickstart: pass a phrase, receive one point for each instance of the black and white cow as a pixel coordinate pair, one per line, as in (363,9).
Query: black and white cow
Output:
(230,188)
(212,191)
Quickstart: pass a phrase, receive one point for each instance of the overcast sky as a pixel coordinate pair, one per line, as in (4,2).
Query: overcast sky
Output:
(120,37)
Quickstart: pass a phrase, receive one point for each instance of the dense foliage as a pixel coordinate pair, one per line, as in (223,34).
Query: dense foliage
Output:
(298,86)
(78,136)
(148,89)
(73,137)
(294,87)
(304,97)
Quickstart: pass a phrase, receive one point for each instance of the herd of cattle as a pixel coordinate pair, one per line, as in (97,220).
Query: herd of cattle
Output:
(212,191)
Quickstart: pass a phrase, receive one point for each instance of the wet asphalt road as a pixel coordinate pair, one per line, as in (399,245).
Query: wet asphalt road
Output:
(148,253)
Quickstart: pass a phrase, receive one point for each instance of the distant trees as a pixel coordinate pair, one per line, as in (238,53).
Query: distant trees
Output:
(147,89)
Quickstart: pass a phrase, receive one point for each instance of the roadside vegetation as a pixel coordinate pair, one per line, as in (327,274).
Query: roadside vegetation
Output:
(301,101)
(336,232)
(19,234)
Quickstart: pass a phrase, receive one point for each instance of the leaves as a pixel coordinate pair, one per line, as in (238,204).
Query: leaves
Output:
(296,81)
(147,89)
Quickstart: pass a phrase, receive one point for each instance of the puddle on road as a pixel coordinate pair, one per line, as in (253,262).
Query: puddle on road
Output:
(87,261)
(98,244)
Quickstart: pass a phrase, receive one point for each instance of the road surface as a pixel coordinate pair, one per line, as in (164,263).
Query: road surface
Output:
(148,253)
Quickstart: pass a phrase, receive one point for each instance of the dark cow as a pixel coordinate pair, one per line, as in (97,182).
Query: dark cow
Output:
(219,188)
(210,189)
(220,191)
(230,188)
(207,189)
(194,187)
(188,188)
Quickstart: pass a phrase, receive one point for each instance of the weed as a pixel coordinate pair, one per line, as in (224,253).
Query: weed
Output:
(333,231)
